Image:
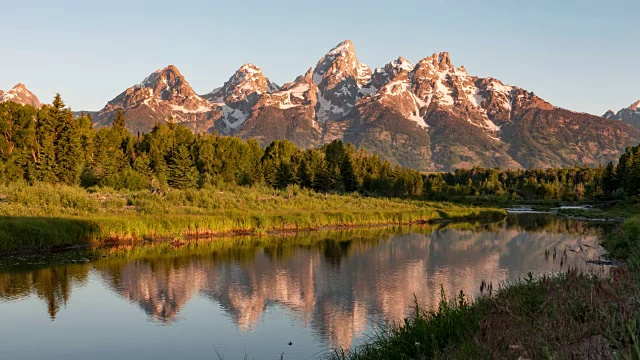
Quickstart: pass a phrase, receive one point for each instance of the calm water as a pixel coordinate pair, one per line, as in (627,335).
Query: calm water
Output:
(245,297)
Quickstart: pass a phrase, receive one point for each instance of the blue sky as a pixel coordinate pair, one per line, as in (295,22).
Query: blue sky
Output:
(582,55)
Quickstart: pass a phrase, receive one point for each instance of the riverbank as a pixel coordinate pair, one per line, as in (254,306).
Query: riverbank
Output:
(571,315)
(45,216)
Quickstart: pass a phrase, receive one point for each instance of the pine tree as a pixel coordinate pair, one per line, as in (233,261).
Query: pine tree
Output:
(119,123)
(68,150)
(609,180)
(182,171)
(632,181)
(322,181)
(142,165)
(50,123)
(305,177)
(284,175)
(349,179)
(108,158)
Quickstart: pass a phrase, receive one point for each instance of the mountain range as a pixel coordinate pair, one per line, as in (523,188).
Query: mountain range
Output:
(430,116)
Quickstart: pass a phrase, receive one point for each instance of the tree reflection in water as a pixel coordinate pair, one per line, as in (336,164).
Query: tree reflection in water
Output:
(336,282)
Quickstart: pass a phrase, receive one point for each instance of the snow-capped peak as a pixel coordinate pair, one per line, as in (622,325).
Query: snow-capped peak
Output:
(247,80)
(164,74)
(298,93)
(339,77)
(401,64)
(164,93)
(341,48)
(635,106)
(21,95)
(251,68)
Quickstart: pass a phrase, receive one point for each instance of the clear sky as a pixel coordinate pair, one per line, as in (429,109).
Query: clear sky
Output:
(581,55)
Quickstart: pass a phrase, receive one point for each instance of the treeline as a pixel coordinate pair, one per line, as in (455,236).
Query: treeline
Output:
(574,184)
(610,182)
(623,180)
(51,145)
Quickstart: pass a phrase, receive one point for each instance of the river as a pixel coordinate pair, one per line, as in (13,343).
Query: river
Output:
(278,296)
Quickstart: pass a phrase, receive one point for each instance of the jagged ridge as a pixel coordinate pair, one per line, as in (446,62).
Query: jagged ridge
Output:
(629,115)
(430,116)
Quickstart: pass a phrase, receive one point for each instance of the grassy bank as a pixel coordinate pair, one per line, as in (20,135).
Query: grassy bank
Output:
(48,216)
(570,315)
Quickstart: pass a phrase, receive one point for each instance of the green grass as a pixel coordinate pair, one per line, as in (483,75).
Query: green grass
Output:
(625,208)
(46,216)
(617,211)
(568,315)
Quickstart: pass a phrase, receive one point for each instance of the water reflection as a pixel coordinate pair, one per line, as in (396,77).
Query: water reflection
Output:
(336,283)
(52,285)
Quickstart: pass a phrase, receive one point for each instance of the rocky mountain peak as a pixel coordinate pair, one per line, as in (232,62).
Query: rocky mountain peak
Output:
(302,91)
(166,84)
(309,74)
(160,96)
(431,115)
(169,72)
(399,65)
(440,62)
(342,48)
(338,63)
(21,95)
(247,82)
(629,115)
(339,77)
(609,114)
(444,60)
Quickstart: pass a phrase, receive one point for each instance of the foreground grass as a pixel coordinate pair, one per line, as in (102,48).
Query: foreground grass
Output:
(47,216)
(570,315)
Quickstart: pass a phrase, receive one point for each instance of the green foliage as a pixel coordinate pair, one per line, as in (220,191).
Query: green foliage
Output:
(627,173)
(284,175)
(69,152)
(573,184)
(49,145)
(119,123)
(182,171)
(427,334)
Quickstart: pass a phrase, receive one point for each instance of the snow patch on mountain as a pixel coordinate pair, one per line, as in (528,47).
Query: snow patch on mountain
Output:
(505,91)
(443,91)
(341,48)
(233,118)
(402,64)
(291,97)
(21,95)
(327,108)
(200,109)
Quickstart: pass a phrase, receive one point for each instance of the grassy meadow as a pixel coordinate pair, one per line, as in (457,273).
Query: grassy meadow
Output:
(46,216)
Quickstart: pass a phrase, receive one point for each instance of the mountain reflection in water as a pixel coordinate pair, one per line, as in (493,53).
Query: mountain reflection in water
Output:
(336,283)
